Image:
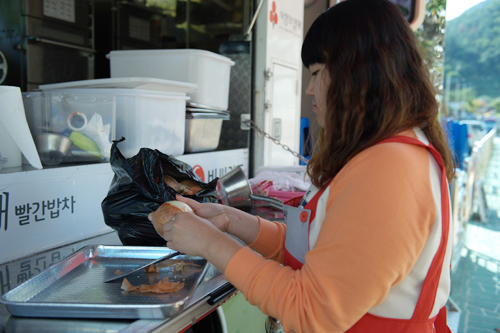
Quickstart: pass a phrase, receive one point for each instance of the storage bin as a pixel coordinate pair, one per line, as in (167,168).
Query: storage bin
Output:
(203,130)
(146,119)
(209,71)
(87,120)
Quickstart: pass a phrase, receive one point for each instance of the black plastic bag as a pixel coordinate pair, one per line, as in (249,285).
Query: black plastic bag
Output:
(138,188)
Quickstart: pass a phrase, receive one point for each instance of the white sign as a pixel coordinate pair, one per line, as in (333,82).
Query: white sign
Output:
(211,165)
(139,28)
(285,30)
(40,209)
(60,9)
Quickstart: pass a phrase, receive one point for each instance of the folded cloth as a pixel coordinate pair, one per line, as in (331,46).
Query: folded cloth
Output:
(282,181)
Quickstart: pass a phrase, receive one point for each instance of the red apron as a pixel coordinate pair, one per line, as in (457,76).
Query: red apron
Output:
(298,221)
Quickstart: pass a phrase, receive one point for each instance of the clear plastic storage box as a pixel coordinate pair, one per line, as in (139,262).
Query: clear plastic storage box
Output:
(70,127)
(146,119)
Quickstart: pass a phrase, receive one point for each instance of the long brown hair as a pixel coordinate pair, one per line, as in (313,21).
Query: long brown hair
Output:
(379,86)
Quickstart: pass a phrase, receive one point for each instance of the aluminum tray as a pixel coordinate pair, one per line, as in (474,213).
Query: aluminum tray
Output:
(75,288)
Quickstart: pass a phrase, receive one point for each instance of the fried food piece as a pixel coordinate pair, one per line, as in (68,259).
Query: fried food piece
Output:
(179,266)
(190,187)
(164,286)
(178,187)
(169,263)
(190,183)
(182,267)
(150,269)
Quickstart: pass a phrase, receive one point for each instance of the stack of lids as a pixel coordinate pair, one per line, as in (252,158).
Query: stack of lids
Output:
(139,83)
(199,111)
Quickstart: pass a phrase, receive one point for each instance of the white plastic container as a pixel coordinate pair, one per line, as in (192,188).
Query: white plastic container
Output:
(210,71)
(146,119)
(87,120)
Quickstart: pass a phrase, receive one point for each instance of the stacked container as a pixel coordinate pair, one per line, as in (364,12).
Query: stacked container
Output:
(207,107)
(71,127)
(209,71)
(150,113)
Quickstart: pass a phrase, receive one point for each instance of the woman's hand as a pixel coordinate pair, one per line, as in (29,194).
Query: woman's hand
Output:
(227,219)
(213,212)
(196,236)
(188,233)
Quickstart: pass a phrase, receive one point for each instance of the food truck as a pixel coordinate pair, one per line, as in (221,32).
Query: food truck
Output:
(214,84)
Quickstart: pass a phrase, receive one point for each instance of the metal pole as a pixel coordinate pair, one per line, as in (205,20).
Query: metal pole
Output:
(464,98)
(447,92)
(188,23)
(247,34)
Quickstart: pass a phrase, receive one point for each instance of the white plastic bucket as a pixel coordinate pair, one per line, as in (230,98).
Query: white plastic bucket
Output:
(210,71)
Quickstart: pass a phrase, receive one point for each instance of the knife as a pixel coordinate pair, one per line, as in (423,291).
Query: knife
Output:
(171,255)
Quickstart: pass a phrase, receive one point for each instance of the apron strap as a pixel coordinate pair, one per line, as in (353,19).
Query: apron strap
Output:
(427,297)
(294,202)
(313,203)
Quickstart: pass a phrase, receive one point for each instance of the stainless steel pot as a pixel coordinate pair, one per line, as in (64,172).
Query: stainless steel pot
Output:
(203,129)
(52,147)
(234,190)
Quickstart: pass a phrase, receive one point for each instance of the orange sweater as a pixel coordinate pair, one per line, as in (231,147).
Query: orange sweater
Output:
(379,212)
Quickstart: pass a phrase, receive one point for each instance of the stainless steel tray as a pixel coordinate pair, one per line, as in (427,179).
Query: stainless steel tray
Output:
(75,288)
(202,106)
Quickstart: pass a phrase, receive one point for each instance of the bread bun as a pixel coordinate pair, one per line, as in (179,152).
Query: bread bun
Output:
(165,212)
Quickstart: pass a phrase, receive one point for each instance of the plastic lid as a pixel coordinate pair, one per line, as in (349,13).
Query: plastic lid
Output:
(186,52)
(141,83)
(120,92)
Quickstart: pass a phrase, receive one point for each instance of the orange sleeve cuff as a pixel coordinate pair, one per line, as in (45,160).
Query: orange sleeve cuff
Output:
(270,240)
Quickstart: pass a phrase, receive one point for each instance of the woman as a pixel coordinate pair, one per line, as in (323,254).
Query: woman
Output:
(367,249)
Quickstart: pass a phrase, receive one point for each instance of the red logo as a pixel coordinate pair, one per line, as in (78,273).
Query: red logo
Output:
(199,171)
(273,16)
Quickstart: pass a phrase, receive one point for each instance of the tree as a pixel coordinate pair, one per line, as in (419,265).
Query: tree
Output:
(473,47)
(431,37)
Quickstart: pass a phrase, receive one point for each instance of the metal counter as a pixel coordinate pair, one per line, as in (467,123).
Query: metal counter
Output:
(212,292)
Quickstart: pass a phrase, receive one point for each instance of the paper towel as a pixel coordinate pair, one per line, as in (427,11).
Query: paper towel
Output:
(13,120)
(9,149)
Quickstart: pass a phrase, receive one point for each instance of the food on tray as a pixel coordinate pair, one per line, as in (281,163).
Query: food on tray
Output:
(164,286)
(180,266)
(187,187)
(183,267)
(169,262)
(118,271)
(165,212)
(150,269)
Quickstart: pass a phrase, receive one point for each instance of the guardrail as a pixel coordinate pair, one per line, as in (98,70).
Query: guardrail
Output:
(484,148)
(466,190)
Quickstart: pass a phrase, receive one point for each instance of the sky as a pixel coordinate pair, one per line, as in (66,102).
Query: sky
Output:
(455,8)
